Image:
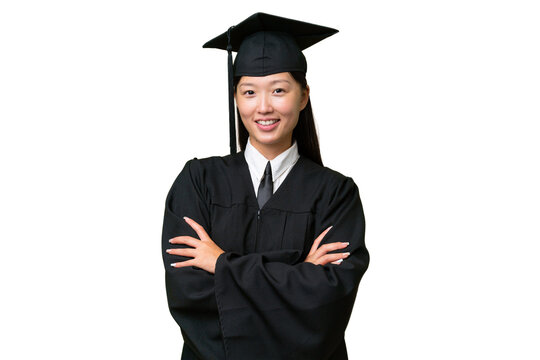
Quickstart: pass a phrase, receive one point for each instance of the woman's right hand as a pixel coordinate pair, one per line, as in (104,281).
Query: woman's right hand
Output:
(319,255)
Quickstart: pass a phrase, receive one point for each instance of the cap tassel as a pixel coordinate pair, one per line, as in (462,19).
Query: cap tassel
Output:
(232,125)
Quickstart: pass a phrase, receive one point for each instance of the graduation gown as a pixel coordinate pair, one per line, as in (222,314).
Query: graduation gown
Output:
(264,301)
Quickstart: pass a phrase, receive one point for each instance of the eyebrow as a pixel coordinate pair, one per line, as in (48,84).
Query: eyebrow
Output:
(272,82)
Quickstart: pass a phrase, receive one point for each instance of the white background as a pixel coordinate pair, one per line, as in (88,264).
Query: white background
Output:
(431,106)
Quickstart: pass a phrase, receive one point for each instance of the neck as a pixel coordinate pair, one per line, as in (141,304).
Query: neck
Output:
(271,151)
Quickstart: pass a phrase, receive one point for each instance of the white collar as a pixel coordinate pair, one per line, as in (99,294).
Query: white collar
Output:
(280,164)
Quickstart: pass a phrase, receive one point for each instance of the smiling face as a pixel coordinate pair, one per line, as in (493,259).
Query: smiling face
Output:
(269,107)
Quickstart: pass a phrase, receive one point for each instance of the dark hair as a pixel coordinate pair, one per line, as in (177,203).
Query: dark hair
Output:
(304,133)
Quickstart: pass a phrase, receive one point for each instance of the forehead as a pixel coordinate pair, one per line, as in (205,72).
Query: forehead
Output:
(266,80)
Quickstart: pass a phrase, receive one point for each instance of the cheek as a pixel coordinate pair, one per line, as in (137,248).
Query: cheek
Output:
(244,108)
(289,108)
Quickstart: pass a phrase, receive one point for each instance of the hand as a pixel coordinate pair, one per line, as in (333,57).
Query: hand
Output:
(204,252)
(320,256)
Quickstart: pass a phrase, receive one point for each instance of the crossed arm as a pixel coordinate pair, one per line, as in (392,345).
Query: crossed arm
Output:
(205,252)
(240,303)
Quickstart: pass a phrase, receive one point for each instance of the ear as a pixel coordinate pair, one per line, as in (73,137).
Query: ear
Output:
(305,98)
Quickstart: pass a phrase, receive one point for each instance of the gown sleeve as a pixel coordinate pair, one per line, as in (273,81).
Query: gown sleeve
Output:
(190,290)
(278,310)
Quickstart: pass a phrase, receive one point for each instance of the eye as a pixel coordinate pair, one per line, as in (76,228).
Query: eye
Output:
(248,92)
(279,91)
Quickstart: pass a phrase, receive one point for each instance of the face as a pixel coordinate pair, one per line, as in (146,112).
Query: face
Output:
(269,107)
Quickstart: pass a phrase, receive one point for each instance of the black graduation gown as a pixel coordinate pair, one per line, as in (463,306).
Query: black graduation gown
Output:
(264,302)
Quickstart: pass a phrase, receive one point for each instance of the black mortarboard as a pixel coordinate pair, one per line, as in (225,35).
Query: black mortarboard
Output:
(266,44)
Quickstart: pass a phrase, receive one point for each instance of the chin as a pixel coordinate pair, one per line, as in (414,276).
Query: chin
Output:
(268,140)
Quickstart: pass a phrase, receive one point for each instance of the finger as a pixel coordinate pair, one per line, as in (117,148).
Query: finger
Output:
(187,240)
(181,264)
(188,252)
(331,258)
(318,241)
(326,248)
(198,228)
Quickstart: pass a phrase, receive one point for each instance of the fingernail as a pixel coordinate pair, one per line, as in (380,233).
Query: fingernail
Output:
(346,254)
(173,264)
(337,262)
(168,250)
(185,218)
(346,243)
(170,240)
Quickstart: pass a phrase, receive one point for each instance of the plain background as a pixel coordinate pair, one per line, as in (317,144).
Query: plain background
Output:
(431,106)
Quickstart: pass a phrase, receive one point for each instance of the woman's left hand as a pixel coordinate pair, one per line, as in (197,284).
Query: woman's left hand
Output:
(204,252)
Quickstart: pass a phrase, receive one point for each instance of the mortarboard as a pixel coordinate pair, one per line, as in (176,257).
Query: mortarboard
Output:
(265,44)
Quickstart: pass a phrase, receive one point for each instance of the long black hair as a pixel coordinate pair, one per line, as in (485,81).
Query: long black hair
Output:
(304,133)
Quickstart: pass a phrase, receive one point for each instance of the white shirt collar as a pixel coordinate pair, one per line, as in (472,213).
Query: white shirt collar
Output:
(280,164)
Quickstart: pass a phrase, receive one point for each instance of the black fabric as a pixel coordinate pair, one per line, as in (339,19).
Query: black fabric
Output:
(266,187)
(303,34)
(269,44)
(264,302)
(268,52)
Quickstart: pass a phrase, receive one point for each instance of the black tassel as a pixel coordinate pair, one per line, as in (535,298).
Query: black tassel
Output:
(232,120)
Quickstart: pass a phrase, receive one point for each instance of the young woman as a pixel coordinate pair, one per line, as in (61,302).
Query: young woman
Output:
(264,248)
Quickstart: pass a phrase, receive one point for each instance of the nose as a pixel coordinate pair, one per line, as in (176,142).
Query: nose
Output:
(265,104)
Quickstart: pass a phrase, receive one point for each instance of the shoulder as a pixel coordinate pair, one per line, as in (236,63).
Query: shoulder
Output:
(329,187)
(200,170)
(326,176)
(212,165)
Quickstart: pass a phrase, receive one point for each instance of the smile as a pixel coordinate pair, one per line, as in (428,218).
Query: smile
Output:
(266,122)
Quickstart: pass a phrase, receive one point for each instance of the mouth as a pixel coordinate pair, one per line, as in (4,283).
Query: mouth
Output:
(267,122)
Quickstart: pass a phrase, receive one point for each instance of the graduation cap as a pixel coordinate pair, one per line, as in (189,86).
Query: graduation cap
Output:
(266,44)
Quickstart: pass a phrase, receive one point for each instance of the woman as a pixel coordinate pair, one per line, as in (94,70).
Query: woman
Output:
(246,274)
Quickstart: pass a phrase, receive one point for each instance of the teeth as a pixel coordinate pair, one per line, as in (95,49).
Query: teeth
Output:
(266,122)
